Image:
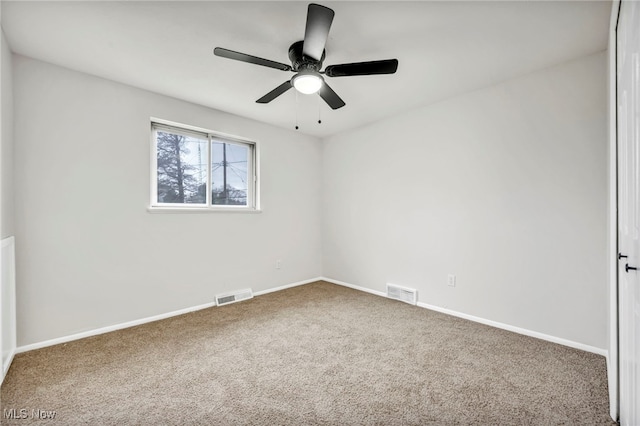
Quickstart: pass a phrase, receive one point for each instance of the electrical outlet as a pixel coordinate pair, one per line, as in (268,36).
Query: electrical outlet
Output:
(451,280)
(278,264)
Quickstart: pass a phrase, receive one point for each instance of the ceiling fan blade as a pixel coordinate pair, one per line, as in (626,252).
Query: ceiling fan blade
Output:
(387,66)
(243,57)
(275,93)
(319,19)
(331,97)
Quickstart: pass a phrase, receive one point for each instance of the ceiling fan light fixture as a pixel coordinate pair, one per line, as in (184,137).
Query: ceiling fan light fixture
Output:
(307,82)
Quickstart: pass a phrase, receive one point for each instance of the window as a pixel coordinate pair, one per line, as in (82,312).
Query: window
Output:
(202,170)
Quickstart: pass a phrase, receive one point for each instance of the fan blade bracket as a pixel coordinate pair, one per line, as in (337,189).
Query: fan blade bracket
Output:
(243,57)
(385,66)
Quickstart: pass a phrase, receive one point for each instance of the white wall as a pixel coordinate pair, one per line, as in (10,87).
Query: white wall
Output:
(89,253)
(505,187)
(7,289)
(6,145)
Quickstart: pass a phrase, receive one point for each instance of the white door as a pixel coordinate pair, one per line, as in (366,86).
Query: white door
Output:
(628,51)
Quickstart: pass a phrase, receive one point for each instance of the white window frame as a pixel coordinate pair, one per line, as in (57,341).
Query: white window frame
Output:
(253,182)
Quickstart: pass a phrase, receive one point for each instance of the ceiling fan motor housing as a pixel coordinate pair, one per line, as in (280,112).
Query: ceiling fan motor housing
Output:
(300,62)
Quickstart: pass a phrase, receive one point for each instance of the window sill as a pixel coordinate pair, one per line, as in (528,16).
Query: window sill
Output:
(197,210)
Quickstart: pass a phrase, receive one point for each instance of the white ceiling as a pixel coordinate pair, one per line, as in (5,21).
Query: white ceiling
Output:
(444,49)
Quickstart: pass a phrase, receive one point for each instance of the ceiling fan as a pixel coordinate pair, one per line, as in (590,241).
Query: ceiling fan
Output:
(306,61)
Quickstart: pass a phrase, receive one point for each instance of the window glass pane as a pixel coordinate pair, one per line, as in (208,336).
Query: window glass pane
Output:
(229,173)
(182,168)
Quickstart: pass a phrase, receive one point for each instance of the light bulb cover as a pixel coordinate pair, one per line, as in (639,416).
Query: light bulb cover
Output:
(307,82)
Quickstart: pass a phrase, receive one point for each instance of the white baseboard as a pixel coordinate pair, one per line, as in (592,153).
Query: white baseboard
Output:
(102,330)
(355,287)
(283,287)
(518,330)
(491,323)
(7,364)
(141,321)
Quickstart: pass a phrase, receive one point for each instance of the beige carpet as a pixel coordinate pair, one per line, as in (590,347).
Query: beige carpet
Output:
(315,354)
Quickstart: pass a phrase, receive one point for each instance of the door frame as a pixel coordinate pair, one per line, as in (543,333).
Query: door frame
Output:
(612,251)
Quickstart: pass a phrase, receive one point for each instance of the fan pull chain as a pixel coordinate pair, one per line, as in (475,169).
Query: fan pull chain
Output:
(319,108)
(297,110)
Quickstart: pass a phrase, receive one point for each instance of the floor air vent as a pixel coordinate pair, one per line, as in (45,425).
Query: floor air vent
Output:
(403,294)
(236,296)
